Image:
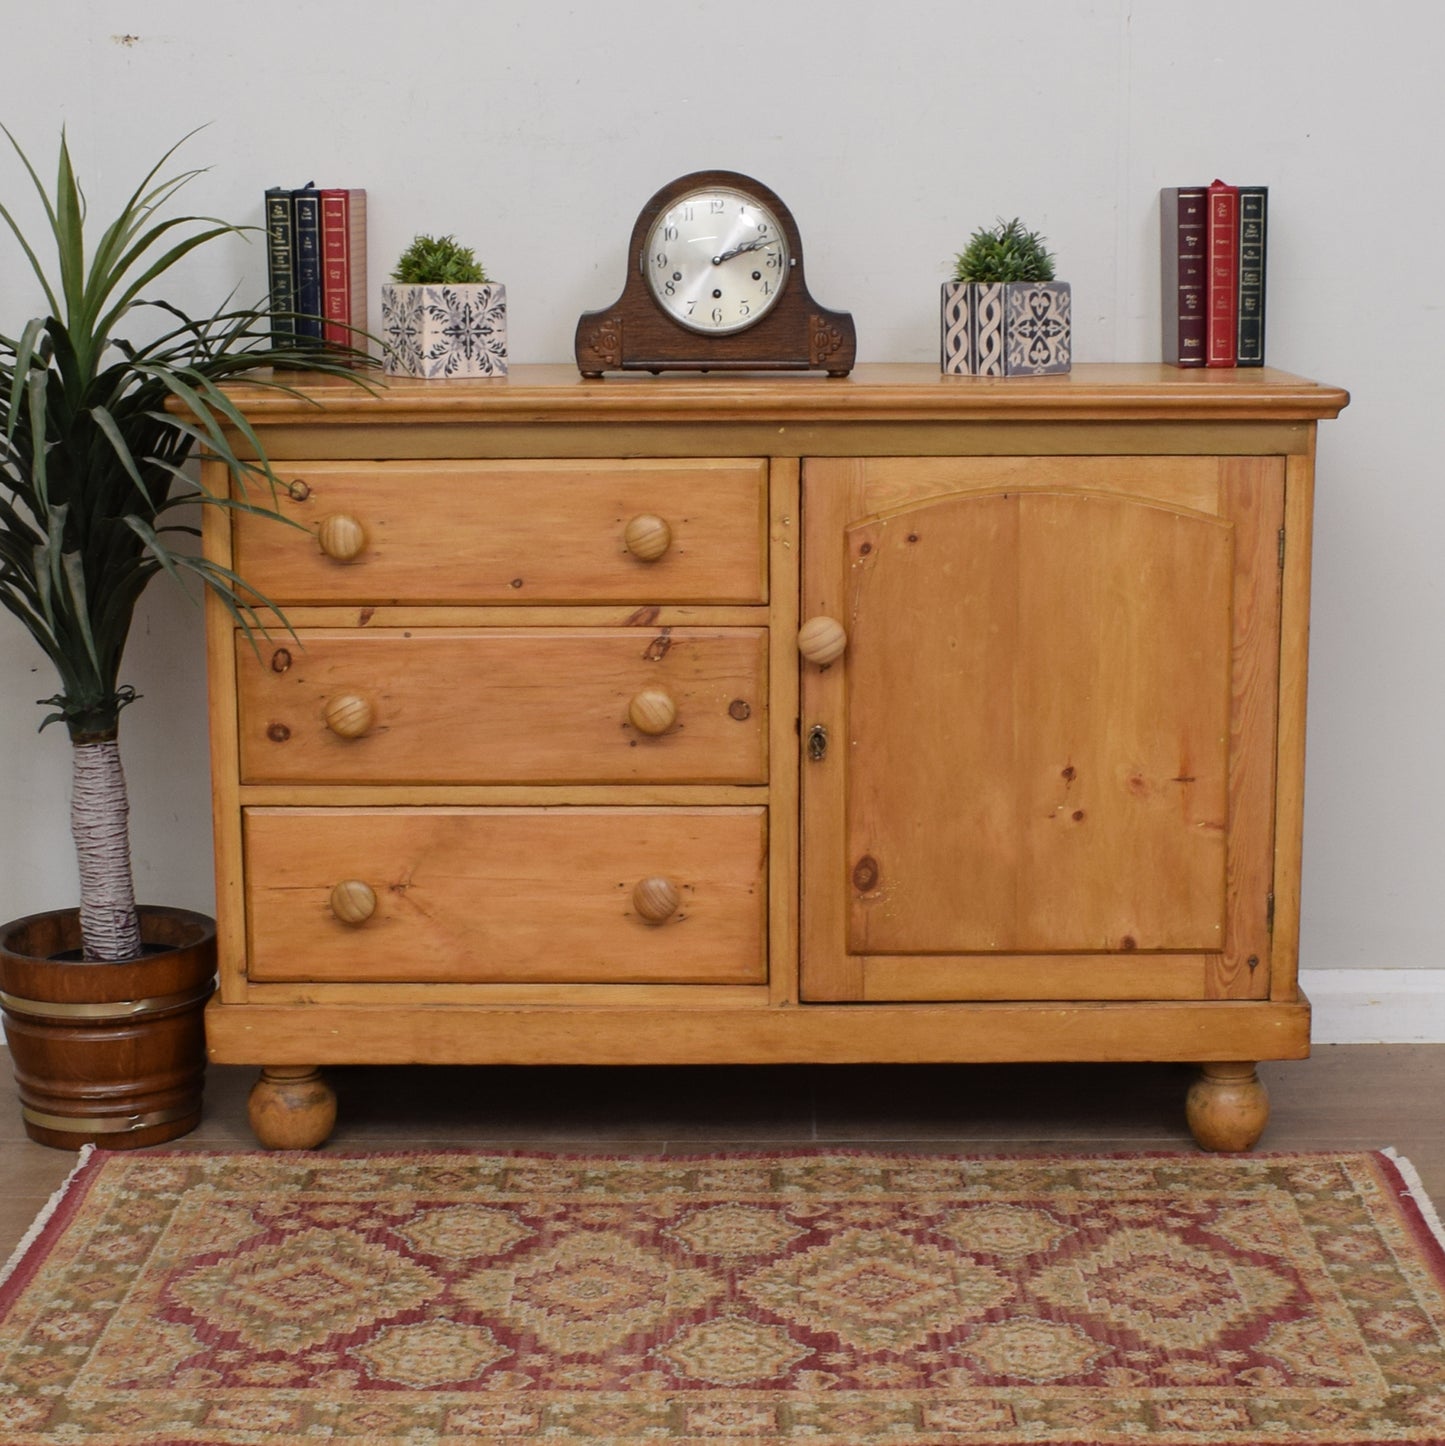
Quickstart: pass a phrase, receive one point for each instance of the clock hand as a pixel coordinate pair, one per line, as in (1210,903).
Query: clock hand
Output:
(739,250)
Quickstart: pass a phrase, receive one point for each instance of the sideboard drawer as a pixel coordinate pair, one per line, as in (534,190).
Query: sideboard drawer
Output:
(506,705)
(511,532)
(507,894)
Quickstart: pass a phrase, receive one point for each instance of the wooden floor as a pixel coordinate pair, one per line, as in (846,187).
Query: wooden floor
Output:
(1345,1097)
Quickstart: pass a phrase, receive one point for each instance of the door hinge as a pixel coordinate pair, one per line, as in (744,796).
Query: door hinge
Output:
(1281,549)
(1269,912)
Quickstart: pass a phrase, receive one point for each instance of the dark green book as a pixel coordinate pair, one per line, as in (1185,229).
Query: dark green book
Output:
(280,260)
(1253,233)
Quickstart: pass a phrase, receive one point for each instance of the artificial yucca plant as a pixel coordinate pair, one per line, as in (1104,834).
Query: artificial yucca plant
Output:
(95,427)
(438,261)
(1005,252)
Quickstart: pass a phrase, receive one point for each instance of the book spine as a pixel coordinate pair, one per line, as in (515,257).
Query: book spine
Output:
(343,259)
(1184,273)
(335,267)
(1222,238)
(1253,236)
(306,219)
(280,262)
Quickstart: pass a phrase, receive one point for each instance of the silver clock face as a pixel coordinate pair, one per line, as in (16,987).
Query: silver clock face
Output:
(716,260)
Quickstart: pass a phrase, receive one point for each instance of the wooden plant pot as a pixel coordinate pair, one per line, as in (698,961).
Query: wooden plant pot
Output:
(107,1054)
(1008,329)
(440,332)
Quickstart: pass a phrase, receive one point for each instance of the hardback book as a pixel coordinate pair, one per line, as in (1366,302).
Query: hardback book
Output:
(280,260)
(343,267)
(1183,273)
(1253,234)
(1222,292)
(306,250)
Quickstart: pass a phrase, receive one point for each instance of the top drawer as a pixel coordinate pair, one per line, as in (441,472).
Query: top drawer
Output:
(510,532)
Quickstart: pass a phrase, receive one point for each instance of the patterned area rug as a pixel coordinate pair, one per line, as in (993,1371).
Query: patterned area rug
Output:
(451,1299)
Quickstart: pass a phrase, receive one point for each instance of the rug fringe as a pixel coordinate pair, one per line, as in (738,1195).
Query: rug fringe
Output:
(43,1219)
(1416,1191)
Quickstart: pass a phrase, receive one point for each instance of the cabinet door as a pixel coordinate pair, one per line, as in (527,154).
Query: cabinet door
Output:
(1047,753)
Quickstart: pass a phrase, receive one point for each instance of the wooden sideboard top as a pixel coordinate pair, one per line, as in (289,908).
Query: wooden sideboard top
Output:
(1092,392)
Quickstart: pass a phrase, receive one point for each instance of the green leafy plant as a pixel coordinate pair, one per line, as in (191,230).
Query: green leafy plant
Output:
(94,430)
(438,261)
(1005,253)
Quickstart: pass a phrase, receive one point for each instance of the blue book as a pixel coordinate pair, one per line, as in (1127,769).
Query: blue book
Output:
(306,251)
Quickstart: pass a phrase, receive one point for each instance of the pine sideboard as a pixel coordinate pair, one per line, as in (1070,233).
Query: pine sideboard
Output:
(723,719)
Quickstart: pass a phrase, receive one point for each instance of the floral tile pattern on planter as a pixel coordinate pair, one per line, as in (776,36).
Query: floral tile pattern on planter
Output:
(1014,328)
(445,331)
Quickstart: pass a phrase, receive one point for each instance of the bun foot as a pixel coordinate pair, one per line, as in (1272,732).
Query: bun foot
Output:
(291,1108)
(1228,1106)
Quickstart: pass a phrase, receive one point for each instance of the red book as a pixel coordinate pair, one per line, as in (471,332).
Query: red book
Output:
(1222,239)
(343,266)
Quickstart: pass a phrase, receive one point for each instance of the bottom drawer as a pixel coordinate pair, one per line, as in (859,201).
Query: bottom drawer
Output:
(585,895)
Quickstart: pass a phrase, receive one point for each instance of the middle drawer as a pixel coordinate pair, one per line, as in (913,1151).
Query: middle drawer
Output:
(505,705)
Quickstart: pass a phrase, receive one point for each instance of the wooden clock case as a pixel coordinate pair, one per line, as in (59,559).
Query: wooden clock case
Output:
(633,334)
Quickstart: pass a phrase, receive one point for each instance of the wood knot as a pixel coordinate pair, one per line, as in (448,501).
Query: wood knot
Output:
(280,660)
(278,732)
(656,650)
(740,709)
(865,874)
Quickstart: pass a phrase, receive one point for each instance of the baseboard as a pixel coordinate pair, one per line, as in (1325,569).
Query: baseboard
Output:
(1376,1006)
(1372,1006)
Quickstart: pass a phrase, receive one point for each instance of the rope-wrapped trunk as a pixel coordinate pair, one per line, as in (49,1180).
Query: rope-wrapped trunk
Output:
(100,826)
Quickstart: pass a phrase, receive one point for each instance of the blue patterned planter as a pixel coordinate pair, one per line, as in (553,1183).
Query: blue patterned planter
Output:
(1011,328)
(445,331)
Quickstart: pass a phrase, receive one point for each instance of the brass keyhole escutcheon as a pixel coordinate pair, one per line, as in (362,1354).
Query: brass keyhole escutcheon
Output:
(817,743)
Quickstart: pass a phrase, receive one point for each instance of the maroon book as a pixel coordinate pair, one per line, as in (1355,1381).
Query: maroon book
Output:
(343,266)
(1222,239)
(1183,273)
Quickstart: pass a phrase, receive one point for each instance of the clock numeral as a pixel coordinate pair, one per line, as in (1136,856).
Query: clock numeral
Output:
(767,288)
(691,305)
(669,233)
(717,316)
(687,212)
(775,260)
(744,309)
(762,228)
(660,260)
(670,287)
(715,208)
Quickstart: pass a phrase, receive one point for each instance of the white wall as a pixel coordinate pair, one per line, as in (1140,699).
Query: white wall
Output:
(536,130)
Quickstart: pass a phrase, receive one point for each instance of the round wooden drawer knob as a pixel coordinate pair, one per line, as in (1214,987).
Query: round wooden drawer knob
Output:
(647,537)
(652,712)
(349,715)
(655,899)
(341,536)
(353,902)
(822,640)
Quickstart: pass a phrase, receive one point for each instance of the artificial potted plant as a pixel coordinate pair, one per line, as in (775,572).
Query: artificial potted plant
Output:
(1003,312)
(101,402)
(440,316)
